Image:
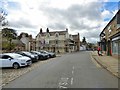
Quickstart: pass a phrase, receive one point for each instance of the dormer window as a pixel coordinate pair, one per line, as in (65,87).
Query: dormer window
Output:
(47,35)
(57,35)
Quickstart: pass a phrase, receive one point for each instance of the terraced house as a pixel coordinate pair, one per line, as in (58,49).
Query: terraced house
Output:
(110,37)
(57,41)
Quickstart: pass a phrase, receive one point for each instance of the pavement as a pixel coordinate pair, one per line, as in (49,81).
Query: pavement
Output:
(108,62)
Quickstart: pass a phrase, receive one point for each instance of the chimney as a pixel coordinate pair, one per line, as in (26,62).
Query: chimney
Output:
(40,30)
(47,30)
(67,29)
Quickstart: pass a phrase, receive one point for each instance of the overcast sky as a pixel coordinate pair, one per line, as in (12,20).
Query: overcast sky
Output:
(87,17)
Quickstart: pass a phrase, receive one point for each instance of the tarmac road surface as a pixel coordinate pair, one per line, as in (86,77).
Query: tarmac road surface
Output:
(74,70)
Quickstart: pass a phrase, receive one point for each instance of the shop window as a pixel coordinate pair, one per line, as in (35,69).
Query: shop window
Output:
(115,47)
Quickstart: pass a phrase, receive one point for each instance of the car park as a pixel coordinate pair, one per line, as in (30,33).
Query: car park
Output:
(41,55)
(14,60)
(33,57)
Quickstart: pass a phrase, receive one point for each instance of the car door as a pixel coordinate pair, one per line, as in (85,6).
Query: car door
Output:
(0,60)
(6,61)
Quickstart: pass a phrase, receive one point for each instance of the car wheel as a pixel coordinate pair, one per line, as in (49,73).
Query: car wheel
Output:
(16,66)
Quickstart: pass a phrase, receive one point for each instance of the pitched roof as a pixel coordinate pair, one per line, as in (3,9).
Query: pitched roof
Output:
(53,33)
(116,16)
(18,42)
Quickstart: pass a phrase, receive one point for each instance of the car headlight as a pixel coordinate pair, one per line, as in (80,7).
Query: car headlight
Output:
(32,56)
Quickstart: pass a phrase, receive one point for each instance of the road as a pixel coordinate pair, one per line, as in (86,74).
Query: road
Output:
(75,70)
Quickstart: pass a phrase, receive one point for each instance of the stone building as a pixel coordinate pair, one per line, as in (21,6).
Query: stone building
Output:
(19,46)
(76,39)
(110,36)
(28,41)
(55,41)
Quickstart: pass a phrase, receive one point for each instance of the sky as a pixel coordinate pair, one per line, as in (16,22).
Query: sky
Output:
(86,17)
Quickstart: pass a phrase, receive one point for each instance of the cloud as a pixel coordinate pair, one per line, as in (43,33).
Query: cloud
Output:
(88,17)
(77,17)
(58,26)
(22,23)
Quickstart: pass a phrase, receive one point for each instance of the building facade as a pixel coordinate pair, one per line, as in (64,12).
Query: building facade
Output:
(110,36)
(55,41)
(76,39)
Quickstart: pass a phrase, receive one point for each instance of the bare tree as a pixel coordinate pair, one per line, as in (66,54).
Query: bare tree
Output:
(3,14)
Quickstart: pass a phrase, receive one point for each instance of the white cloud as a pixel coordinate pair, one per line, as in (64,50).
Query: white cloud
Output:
(81,16)
(106,14)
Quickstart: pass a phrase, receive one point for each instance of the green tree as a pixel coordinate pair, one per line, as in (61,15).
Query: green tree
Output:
(9,34)
(7,46)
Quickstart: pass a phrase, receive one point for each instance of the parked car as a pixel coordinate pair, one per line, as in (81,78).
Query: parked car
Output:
(36,55)
(41,55)
(51,54)
(14,60)
(33,57)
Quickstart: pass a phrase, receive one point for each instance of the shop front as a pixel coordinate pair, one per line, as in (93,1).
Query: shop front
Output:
(116,45)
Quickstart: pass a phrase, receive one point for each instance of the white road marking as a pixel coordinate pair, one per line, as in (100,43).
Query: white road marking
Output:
(63,82)
(72,72)
(62,87)
(71,81)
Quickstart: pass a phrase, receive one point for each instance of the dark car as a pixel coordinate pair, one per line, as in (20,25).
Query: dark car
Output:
(41,55)
(28,54)
(51,54)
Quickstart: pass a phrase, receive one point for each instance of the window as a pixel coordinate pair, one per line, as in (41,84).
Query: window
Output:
(57,35)
(5,57)
(109,30)
(47,35)
(115,47)
(56,41)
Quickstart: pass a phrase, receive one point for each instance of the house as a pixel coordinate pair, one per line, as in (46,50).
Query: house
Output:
(28,41)
(55,41)
(110,36)
(76,38)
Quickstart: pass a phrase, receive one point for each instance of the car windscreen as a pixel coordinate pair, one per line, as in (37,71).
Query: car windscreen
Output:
(43,52)
(27,53)
(36,52)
